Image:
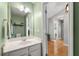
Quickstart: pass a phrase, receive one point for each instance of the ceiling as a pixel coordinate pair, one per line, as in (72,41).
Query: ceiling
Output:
(54,7)
(15,8)
(16,11)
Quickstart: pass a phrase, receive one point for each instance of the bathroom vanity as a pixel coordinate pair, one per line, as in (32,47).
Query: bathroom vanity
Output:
(28,47)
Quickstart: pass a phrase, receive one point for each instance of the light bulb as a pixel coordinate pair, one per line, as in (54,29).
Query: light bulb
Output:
(21,8)
(27,10)
(67,8)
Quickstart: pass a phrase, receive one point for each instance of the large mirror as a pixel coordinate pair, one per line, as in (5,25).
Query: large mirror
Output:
(21,20)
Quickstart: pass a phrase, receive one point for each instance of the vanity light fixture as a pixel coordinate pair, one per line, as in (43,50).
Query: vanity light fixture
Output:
(23,9)
(67,8)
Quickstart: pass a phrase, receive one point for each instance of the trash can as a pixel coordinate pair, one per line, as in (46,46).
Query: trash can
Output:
(48,36)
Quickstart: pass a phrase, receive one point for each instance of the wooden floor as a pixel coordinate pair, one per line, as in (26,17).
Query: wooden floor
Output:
(57,48)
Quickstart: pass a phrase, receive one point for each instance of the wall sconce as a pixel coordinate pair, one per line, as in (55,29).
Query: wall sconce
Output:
(67,8)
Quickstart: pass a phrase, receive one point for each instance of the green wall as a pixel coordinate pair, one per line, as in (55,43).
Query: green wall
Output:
(76,29)
(1,31)
(3,10)
(38,20)
(3,15)
(31,17)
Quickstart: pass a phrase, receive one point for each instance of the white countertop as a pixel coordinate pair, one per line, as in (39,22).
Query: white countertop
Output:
(12,45)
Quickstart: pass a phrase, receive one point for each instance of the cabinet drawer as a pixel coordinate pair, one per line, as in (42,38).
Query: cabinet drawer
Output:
(19,52)
(35,47)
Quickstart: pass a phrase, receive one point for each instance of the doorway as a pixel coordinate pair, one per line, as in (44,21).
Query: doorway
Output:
(59,43)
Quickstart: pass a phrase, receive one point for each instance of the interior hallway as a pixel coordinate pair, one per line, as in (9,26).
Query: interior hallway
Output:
(57,45)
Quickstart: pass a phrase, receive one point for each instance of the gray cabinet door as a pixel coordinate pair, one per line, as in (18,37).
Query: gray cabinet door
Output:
(35,50)
(36,53)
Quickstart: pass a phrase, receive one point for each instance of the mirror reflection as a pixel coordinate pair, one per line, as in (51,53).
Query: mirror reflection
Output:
(21,20)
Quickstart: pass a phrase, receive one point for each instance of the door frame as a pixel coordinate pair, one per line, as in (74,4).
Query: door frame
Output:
(70,40)
(45,29)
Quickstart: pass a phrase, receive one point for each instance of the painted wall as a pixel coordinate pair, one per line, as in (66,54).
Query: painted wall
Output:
(66,28)
(38,20)
(31,24)
(71,39)
(39,25)
(76,29)
(3,10)
(1,35)
(3,15)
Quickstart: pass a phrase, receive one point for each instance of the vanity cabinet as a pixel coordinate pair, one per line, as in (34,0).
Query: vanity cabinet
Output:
(19,52)
(34,50)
